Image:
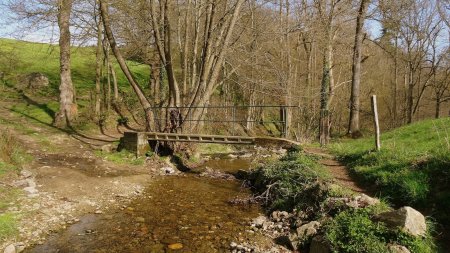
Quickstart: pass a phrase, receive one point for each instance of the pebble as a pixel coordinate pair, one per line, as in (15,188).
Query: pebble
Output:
(10,249)
(175,246)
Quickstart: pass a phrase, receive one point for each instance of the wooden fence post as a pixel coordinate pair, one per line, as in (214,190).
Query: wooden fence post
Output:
(376,123)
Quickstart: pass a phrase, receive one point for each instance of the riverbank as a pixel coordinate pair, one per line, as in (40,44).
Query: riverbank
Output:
(322,215)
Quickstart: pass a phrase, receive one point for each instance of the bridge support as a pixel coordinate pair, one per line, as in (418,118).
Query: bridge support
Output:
(135,142)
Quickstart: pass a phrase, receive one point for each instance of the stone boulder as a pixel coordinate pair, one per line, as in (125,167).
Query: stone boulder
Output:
(406,218)
(394,248)
(306,231)
(320,244)
(364,200)
(37,80)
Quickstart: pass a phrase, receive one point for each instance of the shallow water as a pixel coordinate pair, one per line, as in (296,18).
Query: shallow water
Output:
(187,210)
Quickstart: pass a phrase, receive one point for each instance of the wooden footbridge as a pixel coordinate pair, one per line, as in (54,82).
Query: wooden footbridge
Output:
(222,116)
(139,142)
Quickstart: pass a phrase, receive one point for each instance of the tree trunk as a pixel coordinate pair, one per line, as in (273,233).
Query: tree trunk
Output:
(410,99)
(98,68)
(438,107)
(353,127)
(68,107)
(112,42)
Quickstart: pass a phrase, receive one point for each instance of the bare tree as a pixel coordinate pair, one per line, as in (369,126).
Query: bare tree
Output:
(137,89)
(353,127)
(68,107)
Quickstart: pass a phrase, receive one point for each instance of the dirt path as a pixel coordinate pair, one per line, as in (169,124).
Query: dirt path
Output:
(67,177)
(339,172)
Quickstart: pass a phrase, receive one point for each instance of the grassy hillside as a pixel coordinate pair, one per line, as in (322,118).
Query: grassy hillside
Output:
(19,58)
(413,167)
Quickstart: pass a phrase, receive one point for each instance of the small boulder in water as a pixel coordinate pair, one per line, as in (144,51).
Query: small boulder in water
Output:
(168,170)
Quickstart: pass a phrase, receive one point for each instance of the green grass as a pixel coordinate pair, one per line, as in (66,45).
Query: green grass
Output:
(412,168)
(20,58)
(123,157)
(11,159)
(8,226)
(31,57)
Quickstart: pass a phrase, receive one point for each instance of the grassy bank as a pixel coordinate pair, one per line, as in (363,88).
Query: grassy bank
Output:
(413,167)
(19,59)
(299,184)
(12,157)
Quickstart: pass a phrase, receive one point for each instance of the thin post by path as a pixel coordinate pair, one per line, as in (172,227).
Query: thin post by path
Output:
(376,123)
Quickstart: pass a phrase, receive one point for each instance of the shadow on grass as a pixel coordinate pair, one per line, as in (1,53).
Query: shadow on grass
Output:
(70,130)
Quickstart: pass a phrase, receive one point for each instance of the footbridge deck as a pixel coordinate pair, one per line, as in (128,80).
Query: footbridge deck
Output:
(138,142)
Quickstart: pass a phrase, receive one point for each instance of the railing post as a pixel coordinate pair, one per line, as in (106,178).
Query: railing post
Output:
(284,121)
(376,123)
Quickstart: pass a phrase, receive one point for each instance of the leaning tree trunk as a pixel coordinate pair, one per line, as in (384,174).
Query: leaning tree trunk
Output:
(98,69)
(137,89)
(68,107)
(353,127)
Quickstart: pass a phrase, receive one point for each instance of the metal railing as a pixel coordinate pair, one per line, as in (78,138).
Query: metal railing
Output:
(230,115)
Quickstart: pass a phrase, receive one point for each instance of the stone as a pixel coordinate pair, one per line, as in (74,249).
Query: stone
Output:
(20,183)
(248,155)
(306,231)
(108,148)
(175,246)
(259,221)
(30,190)
(10,249)
(31,182)
(37,80)
(20,247)
(167,170)
(26,173)
(407,218)
(320,244)
(394,248)
(364,200)
(140,219)
(279,215)
(294,241)
(267,225)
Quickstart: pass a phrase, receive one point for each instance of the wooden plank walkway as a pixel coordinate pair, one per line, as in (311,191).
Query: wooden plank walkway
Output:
(138,142)
(200,138)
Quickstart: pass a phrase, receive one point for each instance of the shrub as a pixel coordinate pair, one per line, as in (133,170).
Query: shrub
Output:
(353,231)
(296,181)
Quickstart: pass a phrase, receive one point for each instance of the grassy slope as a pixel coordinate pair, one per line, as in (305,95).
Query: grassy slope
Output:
(413,167)
(21,58)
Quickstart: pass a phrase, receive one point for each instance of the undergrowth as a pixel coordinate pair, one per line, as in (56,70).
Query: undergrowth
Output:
(12,157)
(295,181)
(412,168)
(299,184)
(354,231)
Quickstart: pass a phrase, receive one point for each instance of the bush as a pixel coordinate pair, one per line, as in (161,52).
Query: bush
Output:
(296,181)
(352,231)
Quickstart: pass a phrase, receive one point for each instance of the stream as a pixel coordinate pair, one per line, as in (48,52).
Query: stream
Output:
(184,213)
